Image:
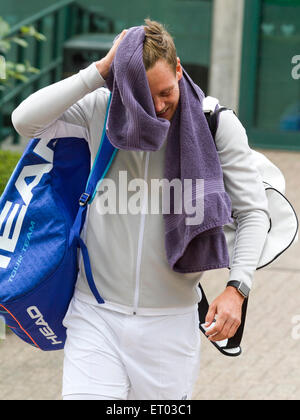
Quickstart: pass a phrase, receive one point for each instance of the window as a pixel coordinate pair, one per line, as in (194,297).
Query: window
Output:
(270,82)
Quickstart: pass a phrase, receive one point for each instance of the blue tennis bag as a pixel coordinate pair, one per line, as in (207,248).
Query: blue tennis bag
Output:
(42,213)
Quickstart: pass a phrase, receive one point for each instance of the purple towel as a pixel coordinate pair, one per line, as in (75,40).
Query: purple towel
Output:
(190,155)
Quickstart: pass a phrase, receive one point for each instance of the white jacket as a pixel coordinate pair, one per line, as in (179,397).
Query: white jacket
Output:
(127,251)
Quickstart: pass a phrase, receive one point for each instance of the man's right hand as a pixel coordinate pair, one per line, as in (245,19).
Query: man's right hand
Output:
(104,64)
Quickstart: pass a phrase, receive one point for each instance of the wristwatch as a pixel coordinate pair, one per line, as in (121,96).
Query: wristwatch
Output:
(241,287)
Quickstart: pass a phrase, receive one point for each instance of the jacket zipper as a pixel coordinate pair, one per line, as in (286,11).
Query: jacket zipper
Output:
(140,241)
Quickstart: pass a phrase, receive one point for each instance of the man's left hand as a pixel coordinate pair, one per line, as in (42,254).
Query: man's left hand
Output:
(228,308)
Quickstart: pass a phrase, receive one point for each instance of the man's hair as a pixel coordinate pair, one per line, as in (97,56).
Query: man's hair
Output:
(158,45)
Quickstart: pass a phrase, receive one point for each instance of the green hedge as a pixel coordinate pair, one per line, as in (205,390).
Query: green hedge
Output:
(8,161)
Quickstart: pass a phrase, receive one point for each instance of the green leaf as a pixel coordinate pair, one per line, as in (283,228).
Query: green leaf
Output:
(10,65)
(33,70)
(20,68)
(24,30)
(20,77)
(31,31)
(28,30)
(4,45)
(20,41)
(40,37)
(4,27)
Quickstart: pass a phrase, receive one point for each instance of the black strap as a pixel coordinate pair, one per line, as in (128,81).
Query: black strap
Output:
(232,347)
(213,118)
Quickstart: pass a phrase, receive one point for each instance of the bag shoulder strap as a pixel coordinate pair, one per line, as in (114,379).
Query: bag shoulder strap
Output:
(102,163)
(212,118)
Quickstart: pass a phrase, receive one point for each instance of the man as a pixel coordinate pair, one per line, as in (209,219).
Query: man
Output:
(144,341)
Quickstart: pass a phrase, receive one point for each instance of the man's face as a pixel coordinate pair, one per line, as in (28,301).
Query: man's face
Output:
(164,88)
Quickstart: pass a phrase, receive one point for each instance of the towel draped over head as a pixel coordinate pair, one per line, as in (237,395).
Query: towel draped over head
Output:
(193,242)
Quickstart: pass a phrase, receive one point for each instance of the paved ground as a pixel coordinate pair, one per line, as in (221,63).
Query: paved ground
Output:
(269,367)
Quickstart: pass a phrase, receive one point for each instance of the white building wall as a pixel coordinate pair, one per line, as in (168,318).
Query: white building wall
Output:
(227,31)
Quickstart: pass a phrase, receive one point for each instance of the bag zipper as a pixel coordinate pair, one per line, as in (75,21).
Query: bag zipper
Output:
(140,241)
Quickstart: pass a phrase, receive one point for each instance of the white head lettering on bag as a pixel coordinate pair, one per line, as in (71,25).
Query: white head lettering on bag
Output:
(34,313)
(8,239)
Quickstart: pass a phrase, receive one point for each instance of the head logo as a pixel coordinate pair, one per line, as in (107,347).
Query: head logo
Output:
(45,330)
(12,214)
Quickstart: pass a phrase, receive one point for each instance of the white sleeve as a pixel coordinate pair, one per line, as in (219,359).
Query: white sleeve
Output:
(70,100)
(244,185)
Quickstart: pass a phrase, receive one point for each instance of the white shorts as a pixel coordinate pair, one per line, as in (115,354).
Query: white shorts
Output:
(110,355)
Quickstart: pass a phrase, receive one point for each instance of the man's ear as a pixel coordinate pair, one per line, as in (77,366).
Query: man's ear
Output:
(178,69)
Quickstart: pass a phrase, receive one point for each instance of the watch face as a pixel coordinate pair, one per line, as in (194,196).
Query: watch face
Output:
(244,289)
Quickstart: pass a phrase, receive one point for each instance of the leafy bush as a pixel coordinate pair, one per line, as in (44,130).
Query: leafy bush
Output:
(8,162)
(11,70)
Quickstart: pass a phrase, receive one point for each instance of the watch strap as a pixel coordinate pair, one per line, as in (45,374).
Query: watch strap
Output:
(241,287)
